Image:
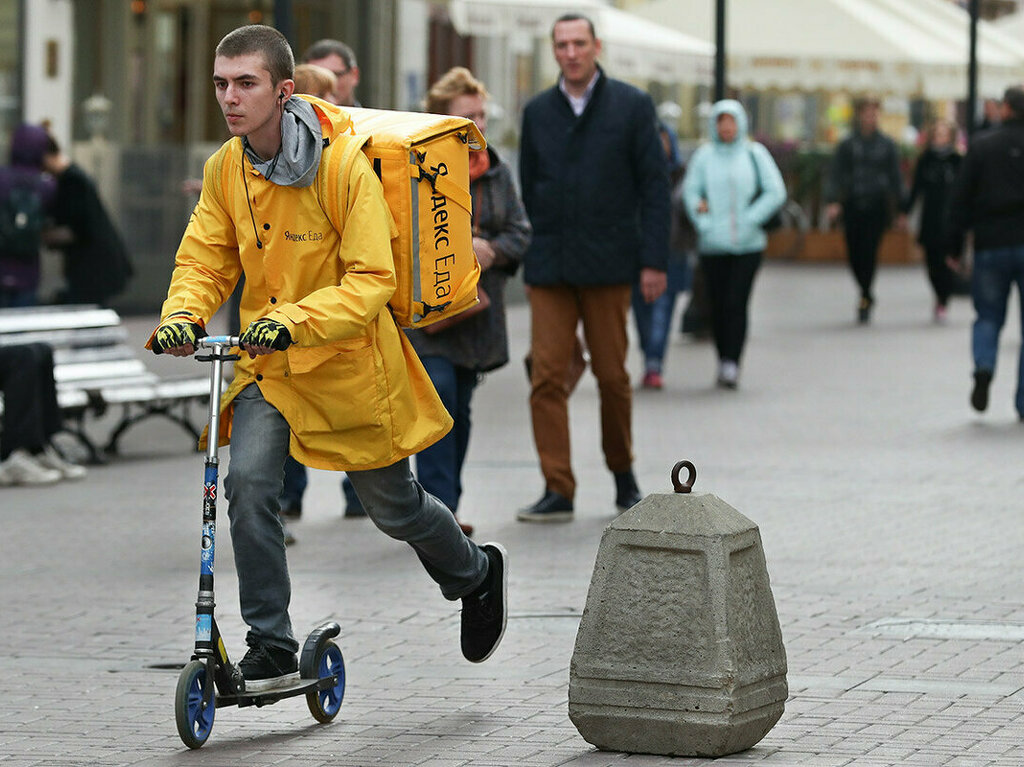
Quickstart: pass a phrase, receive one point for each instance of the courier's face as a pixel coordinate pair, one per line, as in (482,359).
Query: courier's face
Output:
(576,51)
(247,97)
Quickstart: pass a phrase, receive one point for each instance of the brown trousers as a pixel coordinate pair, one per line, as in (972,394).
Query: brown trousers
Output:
(555,313)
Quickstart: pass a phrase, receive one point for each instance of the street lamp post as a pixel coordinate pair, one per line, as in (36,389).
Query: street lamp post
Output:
(720,49)
(972,68)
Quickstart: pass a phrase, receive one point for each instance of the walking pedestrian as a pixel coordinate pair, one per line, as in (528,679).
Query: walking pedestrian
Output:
(328,376)
(934,175)
(653,319)
(457,352)
(988,199)
(26,198)
(596,190)
(731,189)
(864,186)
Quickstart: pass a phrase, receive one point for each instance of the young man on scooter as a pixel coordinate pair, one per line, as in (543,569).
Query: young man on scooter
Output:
(329,377)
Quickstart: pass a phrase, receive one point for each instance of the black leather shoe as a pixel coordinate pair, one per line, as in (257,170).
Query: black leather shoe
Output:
(552,507)
(627,494)
(979,395)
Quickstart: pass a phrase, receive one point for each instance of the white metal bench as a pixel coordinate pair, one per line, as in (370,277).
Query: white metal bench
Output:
(96,369)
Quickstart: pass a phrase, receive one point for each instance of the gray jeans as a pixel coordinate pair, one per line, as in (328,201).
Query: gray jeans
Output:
(393,499)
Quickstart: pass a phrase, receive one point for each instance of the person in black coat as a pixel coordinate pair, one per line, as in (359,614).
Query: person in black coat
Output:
(864,185)
(595,186)
(96,262)
(934,176)
(988,199)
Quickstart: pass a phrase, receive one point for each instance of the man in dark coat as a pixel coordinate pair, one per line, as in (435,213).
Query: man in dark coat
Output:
(96,263)
(595,187)
(988,198)
(864,184)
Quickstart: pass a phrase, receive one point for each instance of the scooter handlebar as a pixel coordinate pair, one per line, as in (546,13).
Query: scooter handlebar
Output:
(211,341)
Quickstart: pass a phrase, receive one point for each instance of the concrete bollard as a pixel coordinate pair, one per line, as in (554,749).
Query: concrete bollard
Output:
(679,650)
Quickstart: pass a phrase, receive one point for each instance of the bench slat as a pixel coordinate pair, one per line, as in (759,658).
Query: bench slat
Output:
(70,338)
(20,321)
(112,369)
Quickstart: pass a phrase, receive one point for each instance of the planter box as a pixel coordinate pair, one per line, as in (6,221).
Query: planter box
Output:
(898,246)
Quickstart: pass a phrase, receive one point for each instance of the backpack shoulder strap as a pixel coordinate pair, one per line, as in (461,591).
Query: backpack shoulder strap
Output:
(757,172)
(335,165)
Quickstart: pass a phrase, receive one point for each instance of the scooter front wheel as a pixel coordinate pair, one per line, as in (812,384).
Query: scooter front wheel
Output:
(327,661)
(193,716)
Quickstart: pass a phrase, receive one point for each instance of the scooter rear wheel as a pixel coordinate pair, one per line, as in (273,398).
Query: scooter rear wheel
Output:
(193,717)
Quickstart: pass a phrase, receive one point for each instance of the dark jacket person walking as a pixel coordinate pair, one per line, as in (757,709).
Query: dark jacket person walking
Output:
(865,186)
(596,190)
(988,199)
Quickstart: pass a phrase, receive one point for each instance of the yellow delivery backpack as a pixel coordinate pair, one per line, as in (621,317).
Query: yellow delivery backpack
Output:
(423,162)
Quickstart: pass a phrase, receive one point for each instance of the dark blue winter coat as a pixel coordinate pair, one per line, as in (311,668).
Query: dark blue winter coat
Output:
(595,187)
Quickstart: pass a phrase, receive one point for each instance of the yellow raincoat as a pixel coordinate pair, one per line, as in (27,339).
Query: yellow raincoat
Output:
(351,388)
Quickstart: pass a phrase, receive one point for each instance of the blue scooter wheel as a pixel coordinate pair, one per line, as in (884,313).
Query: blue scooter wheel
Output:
(194,717)
(324,704)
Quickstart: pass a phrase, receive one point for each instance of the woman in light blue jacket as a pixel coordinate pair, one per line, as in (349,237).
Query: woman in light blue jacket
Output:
(731,189)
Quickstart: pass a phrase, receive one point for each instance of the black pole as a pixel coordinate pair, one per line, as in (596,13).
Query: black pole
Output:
(283,19)
(972,69)
(720,49)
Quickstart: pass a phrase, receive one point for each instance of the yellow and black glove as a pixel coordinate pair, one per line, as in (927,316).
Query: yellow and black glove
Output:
(266,332)
(173,333)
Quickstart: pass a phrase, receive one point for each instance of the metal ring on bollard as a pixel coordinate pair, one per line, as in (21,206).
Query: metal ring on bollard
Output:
(684,487)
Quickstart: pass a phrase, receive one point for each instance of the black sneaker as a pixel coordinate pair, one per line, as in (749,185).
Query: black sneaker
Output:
(485,611)
(979,395)
(268,668)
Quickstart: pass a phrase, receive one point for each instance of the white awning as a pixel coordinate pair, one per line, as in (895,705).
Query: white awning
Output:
(1012,24)
(855,45)
(1000,57)
(633,47)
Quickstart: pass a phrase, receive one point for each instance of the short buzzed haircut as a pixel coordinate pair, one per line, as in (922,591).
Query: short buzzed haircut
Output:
(321,49)
(267,41)
(574,17)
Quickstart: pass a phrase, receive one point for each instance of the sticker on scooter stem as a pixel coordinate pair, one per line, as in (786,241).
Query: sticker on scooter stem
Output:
(206,555)
(204,628)
(210,493)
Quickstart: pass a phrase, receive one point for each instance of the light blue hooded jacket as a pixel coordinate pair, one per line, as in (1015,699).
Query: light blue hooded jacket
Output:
(725,176)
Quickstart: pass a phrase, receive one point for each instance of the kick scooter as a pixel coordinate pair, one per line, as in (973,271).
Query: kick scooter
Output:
(210,680)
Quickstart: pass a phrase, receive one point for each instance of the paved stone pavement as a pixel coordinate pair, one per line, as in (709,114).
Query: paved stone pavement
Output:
(890,514)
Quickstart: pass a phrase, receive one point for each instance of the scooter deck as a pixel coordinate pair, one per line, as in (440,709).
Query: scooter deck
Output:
(268,697)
